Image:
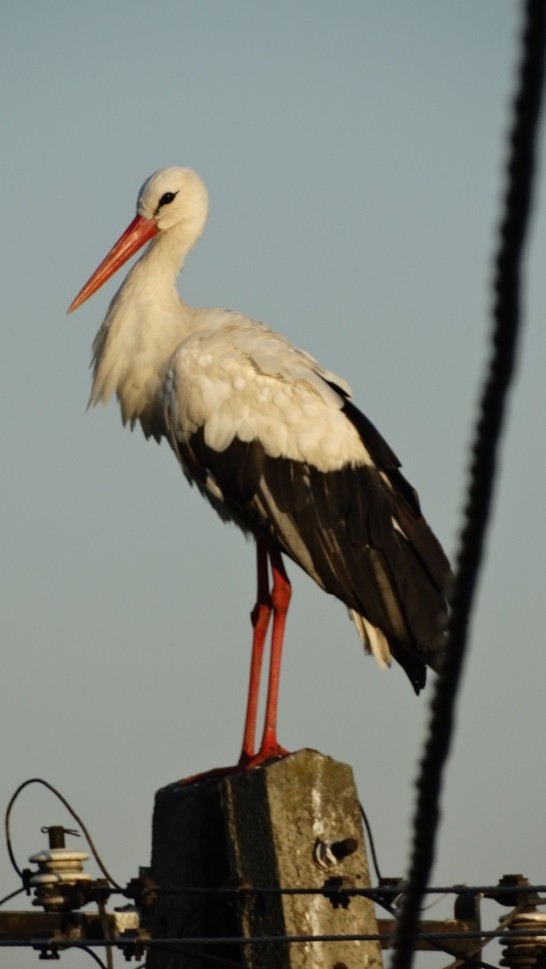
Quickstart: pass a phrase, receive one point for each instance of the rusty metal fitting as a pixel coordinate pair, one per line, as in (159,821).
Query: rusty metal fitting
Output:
(328,855)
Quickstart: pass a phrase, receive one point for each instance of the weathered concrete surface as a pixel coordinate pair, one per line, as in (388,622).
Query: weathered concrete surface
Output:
(264,828)
(276,818)
(189,850)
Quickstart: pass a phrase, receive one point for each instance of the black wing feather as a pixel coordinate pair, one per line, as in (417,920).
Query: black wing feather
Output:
(343,523)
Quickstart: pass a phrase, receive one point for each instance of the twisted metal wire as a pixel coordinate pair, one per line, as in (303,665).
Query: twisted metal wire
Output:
(506,318)
(218,940)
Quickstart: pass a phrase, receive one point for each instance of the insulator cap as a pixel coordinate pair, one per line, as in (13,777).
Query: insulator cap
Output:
(59,873)
(525,951)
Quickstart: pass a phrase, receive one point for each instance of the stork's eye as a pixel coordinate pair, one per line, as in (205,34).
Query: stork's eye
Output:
(167,198)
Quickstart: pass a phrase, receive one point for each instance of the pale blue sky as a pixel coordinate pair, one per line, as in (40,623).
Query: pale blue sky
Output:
(353,153)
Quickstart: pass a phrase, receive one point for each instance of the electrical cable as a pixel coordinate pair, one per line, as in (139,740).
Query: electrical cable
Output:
(177,948)
(436,938)
(495,892)
(506,312)
(71,811)
(369,835)
(98,960)
(6,898)
(174,943)
(180,949)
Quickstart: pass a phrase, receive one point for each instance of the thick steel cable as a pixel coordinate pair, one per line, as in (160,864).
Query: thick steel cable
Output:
(496,892)
(506,316)
(119,942)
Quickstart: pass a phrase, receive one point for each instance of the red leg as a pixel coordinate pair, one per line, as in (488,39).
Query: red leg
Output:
(276,601)
(260,617)
(280,598)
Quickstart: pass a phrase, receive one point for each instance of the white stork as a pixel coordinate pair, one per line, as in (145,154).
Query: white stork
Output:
(275,444)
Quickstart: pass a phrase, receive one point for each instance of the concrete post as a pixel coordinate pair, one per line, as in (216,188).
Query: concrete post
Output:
(294,822)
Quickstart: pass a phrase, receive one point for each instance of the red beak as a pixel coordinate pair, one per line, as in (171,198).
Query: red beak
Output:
(135,235)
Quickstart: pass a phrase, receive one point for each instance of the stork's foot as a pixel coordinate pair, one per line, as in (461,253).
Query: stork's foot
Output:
(267,752)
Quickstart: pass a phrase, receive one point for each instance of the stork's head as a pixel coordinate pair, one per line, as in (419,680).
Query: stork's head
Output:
(174,196)
(171,199)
